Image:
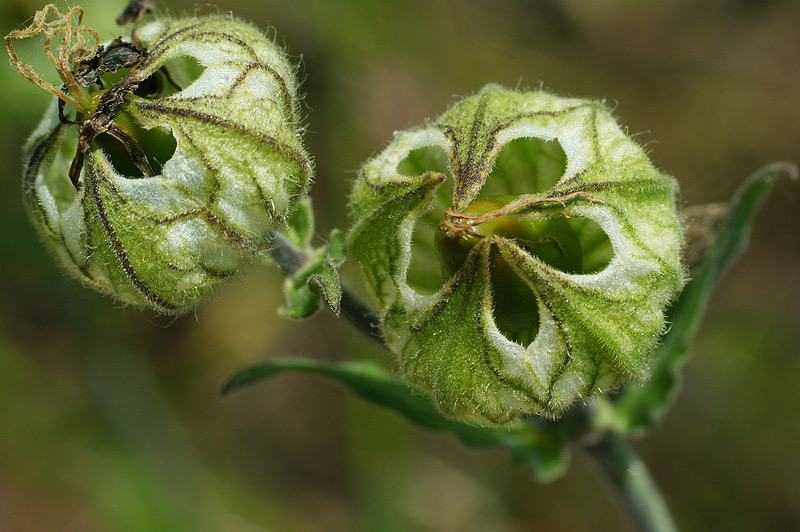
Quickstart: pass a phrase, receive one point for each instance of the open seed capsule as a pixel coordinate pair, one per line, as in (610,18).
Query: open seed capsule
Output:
(551,273)
(157,180)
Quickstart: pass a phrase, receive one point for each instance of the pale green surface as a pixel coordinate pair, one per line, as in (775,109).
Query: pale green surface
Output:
(595,328)
(238,169)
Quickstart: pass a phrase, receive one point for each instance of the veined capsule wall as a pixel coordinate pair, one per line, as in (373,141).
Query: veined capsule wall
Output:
(596,326)
(238,169)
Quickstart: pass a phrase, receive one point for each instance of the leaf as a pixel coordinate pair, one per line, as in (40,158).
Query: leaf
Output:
(336,246)
(327,282)
(301,302)
(541,445)
(313,271)
(301,224)
(641,407)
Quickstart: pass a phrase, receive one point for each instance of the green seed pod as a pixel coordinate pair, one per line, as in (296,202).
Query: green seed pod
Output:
(183,153)
(523,250)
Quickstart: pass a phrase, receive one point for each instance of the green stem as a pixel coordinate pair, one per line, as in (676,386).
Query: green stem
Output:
(637,490)
(291,258)
(360,315)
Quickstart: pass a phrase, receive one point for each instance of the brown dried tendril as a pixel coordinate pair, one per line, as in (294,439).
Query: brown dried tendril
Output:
(73,47)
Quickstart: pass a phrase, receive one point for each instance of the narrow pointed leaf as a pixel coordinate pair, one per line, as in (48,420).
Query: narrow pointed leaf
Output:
(541,446)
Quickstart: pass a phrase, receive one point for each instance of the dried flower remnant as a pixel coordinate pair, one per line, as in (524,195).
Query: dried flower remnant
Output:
(72,48)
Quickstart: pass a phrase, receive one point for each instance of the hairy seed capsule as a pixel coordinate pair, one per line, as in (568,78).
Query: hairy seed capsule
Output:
(555,250)
(180,165)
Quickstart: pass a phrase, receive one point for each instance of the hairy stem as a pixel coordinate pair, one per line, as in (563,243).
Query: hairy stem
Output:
(360,315)
(286,255)
(629,475)
(291,258)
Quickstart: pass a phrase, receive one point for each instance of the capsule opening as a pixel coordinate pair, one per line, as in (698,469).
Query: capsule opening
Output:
(425,272)
(570,245)
(178,73)
(147,150)
(526,165)
(156,145)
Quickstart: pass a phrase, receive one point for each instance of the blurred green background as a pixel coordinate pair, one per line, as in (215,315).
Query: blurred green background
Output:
(111,419)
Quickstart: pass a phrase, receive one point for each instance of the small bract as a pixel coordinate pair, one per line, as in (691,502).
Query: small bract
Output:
(523,250)
(174,158)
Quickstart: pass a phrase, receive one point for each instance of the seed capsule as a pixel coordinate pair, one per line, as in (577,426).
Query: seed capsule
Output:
(180,159)
(555,272)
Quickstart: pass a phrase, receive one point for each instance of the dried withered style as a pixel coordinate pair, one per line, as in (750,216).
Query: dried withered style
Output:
(117,55)
(102,122)
(109,59)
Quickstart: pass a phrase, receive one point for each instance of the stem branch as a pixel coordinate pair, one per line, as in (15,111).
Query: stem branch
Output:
(634,485)
(291,258)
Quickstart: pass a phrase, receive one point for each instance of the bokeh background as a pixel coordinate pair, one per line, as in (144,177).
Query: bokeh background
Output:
(111,418)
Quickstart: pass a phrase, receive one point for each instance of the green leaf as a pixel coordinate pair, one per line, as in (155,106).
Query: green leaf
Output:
(327,282)
(540,445)
(312,271)
(641,407)
(301,302)
(301,224)
(336,246)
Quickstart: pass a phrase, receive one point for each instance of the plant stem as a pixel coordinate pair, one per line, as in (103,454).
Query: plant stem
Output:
(360,315)
(634,485)
(291,258)
(286,255)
